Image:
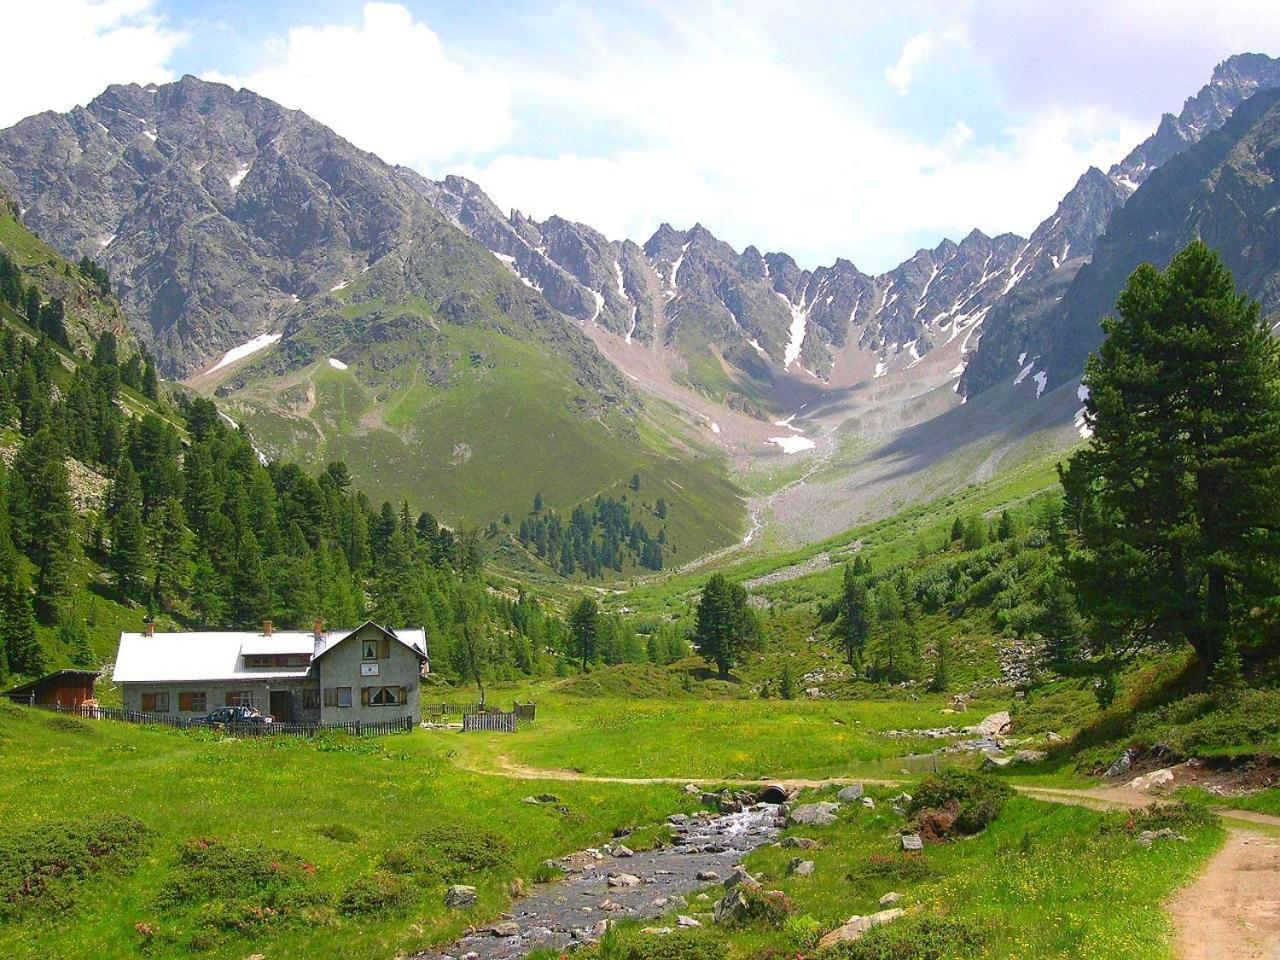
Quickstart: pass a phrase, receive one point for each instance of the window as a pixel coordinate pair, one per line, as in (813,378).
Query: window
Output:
(155,702)
(382,696)
(193,701)
(343,695)
(310,698)
(239,698)
(369,650)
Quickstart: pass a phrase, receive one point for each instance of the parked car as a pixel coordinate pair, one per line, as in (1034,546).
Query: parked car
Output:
(224,715)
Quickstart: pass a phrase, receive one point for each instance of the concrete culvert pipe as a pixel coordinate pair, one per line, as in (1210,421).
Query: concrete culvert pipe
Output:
(776,793)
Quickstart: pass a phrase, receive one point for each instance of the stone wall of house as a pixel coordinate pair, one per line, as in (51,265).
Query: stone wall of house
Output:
(345,666)
(216,696)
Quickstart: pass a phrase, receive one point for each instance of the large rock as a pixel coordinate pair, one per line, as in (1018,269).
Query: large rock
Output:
(460,895)
(1122,765)
(850,793)
(740,877)
(993,725)
(800,867)
(821,814)
(856,926)
(800,843)
(1153,780)
(730,905)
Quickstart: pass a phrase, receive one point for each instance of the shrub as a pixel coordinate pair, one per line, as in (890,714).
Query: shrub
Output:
(376,892)
(217,868)
(803,932)
(41,865)
(763,908)
(339,832)
(898,868)
(1181,817)
(680,945)
(926,938)
(974,798)
(449,853)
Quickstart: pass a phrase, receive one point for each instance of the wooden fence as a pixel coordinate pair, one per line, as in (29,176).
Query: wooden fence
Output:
(356,728)
(494,721)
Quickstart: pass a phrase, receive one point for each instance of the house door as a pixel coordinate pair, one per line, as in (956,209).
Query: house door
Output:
(282,706)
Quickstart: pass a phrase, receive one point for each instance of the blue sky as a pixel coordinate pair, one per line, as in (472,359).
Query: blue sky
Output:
(863,130)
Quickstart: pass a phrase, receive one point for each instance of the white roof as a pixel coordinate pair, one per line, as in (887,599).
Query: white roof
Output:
(219,654)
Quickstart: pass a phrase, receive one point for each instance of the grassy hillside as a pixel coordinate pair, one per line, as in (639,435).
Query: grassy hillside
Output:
(88,311)
(301,828)
(470,423)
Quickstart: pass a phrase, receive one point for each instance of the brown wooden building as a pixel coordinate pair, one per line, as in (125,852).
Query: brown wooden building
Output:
(69,688)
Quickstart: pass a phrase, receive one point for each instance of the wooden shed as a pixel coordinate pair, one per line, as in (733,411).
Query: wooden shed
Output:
(69,688)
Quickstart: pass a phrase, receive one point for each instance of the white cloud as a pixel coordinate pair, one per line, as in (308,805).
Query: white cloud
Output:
(388,86)
(919,50)
(59,53)
(730,136)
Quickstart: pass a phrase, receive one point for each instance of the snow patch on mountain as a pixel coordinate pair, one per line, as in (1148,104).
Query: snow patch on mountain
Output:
(260,342)
(238,177)
(337,364)
(793,444)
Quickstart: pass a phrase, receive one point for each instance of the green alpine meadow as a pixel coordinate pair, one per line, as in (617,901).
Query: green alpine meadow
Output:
(544,482)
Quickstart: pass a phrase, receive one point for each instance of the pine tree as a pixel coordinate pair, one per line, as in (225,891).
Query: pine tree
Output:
(74,637)
(854,622)
(128,555)
(1174,499)
(787,683)
(724,625)
(52,542)
(169,543)
(584,629)
(941,666)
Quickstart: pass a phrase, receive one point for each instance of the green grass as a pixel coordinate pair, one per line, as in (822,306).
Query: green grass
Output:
(277,802)
(709,738)
(480,440)
(1043,881)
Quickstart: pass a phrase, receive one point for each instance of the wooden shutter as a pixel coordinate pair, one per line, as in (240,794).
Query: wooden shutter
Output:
(184,701)
(404,695)
(364,696)
(330,698)
(148,702)
(384,648)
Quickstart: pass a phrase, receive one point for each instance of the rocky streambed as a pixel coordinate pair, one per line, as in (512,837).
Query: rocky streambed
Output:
(614,882)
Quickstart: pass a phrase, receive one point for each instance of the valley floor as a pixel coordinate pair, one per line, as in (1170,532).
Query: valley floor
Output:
(358,816)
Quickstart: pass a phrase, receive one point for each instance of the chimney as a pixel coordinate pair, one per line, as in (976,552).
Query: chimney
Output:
(149,630)
(266,628)
(318,627)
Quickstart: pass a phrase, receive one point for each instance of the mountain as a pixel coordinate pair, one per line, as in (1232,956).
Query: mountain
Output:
(334,310)
(1028,326)
(88,309)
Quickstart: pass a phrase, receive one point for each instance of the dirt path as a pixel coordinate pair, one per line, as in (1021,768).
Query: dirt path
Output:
(1230,912)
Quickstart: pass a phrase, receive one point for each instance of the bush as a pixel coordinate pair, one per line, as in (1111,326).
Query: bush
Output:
(974,798)
(897,868)
(763,908)
(1180,817)
(217,868)
(41,865)
(449,853)
(926,938)
(803,932)
(339,832)
(680,945)
(376,892)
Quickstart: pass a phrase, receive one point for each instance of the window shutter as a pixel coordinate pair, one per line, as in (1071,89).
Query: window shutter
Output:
(384,648)
(364,696)
(328,697)
(404,696)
